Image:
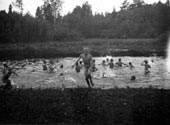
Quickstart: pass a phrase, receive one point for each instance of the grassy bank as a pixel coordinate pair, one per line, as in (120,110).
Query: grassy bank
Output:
(86,106)
(99,47)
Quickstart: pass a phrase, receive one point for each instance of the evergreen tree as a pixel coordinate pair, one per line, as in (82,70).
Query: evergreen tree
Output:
(10,9)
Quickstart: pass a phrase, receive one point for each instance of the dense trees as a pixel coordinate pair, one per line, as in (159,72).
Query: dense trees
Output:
(50,10)
(136,20)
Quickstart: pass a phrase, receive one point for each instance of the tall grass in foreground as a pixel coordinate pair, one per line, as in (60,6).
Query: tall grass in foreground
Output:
(86,106)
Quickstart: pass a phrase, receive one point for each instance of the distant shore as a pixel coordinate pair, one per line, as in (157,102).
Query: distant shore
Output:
(99,47)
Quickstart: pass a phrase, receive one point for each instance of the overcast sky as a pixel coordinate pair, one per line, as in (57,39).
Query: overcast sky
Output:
(68,5)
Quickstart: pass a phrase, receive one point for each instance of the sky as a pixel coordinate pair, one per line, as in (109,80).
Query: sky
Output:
(68,5)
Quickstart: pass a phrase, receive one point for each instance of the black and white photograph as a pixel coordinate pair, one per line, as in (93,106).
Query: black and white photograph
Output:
(85,62)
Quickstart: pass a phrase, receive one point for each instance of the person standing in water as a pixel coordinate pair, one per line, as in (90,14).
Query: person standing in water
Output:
(87,60)
(78,67)
(94,66)
(7,72)
(51,66)
(111,64)
(131,66)
(120,63)
(44,65)
(147,66)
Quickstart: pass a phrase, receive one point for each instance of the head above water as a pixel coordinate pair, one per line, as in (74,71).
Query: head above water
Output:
(119,59)
(61,66)
(51,61)
(133,78)
(146,61)
(5,65)
(111,60)
(44,61)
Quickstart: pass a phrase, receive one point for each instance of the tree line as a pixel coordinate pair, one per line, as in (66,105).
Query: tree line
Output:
(135,20)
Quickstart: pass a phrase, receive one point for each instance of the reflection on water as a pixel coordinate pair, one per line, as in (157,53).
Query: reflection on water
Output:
(32,74)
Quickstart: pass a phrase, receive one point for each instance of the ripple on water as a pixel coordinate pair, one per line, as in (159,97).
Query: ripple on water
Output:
(33,76)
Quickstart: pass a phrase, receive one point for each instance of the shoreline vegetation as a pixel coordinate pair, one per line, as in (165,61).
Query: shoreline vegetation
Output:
(85,106)
(137,29)
(99,47)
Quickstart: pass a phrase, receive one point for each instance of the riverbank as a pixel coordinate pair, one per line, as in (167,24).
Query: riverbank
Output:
(99,47)
(85,106)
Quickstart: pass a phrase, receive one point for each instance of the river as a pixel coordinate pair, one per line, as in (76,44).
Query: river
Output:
(32,74)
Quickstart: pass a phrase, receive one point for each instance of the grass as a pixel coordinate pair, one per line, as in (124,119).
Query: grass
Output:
(99,47)
(85,106)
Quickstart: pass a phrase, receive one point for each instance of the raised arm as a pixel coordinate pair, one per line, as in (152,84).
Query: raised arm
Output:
(142,64)
(125,64)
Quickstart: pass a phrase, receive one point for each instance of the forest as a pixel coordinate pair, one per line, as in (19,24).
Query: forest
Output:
(137,20)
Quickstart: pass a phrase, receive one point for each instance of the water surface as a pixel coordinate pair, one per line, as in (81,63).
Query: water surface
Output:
(33,76)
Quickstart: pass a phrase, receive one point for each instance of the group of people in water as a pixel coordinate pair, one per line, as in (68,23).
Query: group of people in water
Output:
(7,72)
(90,66)
(87,63)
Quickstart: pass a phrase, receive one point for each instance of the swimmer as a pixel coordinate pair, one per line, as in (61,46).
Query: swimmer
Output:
(87,60)
(94,66)
(61,66)
(103,63)
(61,70)
(7,72)
(44,65)
(111,64)
(107,60)
(147,66)
(78,67)
(130,65)
(81,64)
(133,78)
(120,63)
(51,66)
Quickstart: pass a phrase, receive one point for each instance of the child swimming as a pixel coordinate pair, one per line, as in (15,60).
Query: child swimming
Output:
(120,63)
(103,64)
(146,65)
(7,72)
(78,67)
(61,70)
(130,65)
(94,66)
(107,60)
(103,68)
(81,64)
(44,65)
(51,66)
(111,64)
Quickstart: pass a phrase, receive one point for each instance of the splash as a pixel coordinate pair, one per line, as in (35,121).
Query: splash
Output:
(168,56)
